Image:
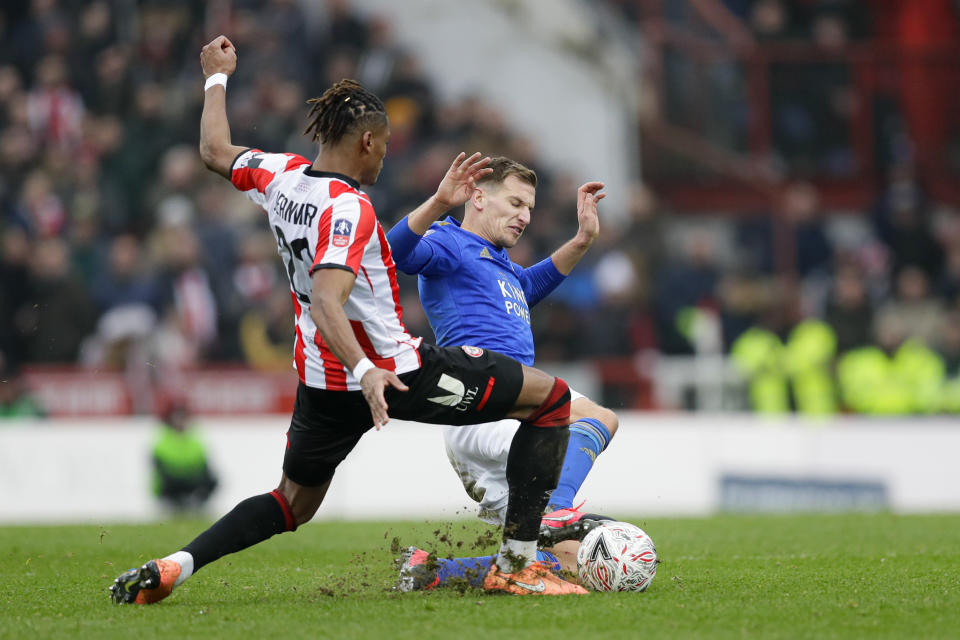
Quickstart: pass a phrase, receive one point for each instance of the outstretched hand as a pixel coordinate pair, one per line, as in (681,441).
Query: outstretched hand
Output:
(372,385)
(588,195)
(219,56)
(458,185)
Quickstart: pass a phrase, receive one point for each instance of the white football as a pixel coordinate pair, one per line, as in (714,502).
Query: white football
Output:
(617,556)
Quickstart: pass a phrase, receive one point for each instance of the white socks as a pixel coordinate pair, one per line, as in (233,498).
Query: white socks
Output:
(185,560)
(512,552)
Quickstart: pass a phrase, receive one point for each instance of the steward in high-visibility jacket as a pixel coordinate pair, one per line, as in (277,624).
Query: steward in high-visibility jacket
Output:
(797,374)
(182,476)
(909,381)
(758,354)
(810,352)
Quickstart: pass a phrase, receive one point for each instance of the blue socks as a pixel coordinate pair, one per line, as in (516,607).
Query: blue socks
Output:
(475,569)
(550,560)
(588,438)
(470,569)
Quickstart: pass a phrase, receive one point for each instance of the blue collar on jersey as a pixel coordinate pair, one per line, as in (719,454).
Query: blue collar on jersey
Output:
(459,225)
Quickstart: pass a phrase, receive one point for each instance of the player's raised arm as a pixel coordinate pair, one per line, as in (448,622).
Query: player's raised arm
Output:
(412,256)
(218,59)
(456,188)
(568,255)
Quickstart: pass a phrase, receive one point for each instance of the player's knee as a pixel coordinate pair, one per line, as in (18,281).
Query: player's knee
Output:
(586,408)
(555,409)
(608,418)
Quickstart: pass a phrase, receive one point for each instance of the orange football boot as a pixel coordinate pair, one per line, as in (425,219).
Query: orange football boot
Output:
(150,583)
(535,580)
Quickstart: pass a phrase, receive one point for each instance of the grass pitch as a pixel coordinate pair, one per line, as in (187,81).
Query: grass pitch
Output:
(846,576)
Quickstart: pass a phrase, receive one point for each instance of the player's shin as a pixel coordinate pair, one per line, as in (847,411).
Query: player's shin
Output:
(533,468)
(250,522)
(588,439)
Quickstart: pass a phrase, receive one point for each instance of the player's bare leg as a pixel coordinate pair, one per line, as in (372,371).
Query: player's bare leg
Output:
(566,554)
(536,387)
(304,501)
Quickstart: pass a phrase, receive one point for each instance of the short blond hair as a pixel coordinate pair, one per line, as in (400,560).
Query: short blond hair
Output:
(503,168)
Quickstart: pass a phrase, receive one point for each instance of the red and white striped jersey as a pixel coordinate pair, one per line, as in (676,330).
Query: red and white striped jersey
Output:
(322,220)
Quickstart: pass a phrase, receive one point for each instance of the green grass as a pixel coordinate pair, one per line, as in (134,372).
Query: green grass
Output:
(847,576)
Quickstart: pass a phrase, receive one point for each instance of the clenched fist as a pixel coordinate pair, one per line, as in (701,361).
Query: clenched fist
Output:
(220,56)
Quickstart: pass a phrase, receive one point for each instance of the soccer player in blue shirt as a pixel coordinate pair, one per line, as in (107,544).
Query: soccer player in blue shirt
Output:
(473,294)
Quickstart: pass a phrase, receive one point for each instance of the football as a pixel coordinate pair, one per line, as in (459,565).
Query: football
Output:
(617,556)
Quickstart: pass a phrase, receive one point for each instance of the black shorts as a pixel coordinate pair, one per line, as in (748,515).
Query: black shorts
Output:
(454,385)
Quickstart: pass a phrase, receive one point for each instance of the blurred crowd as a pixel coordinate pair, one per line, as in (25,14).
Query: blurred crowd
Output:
(819,81)
(120,250)
(118,246)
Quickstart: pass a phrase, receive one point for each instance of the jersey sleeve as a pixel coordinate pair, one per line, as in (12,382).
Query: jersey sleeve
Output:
(253,170)
(345,230)
(539,280)
(432,254)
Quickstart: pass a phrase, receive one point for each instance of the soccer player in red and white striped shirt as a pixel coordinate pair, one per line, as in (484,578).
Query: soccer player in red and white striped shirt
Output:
(357,364)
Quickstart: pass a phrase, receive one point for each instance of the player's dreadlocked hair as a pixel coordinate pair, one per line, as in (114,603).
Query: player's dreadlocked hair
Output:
(344,107)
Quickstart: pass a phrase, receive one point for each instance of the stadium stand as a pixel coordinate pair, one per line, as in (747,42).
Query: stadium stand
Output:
(800,161)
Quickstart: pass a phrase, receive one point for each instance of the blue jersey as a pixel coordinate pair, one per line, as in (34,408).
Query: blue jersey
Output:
(470,290)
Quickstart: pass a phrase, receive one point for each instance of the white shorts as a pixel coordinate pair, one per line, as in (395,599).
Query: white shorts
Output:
(478,453)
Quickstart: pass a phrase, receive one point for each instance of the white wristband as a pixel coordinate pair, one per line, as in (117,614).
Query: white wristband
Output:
(215,79)
(362,367)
